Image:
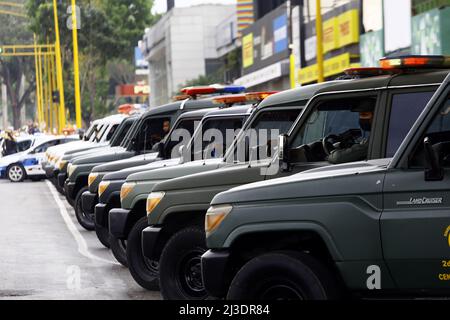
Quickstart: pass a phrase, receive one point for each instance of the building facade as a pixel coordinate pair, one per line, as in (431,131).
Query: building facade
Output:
(181,47)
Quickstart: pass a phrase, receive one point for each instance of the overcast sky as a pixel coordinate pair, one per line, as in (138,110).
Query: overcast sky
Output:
(161,5)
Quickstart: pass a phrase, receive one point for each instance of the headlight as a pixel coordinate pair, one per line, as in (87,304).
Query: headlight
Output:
(214,217)
(92,177)
(103,186)
(71,169)
(126,189)
(61,164)
(153,200)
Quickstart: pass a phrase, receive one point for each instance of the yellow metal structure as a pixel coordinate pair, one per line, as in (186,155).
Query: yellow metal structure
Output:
(59,75)
(76,67)
(319,32)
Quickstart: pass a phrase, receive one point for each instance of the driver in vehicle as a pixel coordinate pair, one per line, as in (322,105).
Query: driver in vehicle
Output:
(356,151)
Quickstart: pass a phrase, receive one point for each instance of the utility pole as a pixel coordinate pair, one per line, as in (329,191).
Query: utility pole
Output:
(319,32)
(76,68)
(5,106)
(59,75)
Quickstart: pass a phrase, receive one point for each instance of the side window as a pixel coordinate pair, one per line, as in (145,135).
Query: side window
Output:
(43,147)
(337,130)
(111,132)
(406,108)
(23,145)
(153,131)
(439,134)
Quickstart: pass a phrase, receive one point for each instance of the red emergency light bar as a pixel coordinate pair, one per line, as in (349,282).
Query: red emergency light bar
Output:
(417,62)
(243,98)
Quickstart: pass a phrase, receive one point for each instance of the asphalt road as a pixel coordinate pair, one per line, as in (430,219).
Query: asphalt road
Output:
(45,254)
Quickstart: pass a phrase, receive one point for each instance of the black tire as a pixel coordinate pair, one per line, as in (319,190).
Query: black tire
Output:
(16,173)
(102,235)
(119,249)
(180,266)
(283,276)
(85,220)
(144,271)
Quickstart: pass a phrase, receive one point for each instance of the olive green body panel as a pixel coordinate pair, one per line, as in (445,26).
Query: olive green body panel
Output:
(415,229)
(145,181)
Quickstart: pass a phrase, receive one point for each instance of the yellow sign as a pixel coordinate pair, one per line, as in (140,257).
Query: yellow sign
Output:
(341,31)
(348,23)
(333,66)
(330,37)
(247,50)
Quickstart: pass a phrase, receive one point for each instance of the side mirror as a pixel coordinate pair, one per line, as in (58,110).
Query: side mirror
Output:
(434,172)
(282,148)
(181,154)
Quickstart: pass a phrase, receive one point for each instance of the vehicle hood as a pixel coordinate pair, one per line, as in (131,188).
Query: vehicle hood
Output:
(332,180)
(128,160)
(103,155)
(176,171)
(123,174)
(83,153)
(230,175)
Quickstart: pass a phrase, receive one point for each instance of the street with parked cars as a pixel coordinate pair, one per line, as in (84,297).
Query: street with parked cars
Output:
(326,191)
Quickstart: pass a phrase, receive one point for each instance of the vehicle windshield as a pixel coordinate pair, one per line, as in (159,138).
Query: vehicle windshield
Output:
(180,136)
(259,140)
(90,132)
(130,134)
(215,136)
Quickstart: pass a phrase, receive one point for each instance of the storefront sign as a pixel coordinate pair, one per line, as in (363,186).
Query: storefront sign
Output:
(247,50)
(333,66)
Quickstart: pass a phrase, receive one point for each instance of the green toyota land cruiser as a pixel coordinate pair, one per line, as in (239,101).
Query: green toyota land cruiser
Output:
(153,126)
(374,228)
(109,189)
(346,122)
(275,114)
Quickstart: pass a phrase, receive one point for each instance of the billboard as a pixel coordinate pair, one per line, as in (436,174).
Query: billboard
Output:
(429,32)
(372,48)
(266,41)
(397,24)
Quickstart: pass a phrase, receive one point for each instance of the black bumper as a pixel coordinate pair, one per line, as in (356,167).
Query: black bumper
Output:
(49,171)
(101,215)
(69,188)
(62,177)
(214,267)
(117,222)
(88,202)
(149,239)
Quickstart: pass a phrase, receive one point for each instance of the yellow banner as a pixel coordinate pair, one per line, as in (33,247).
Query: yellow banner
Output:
(341,31)
(333,66)
(247,50)
(330,37)
(348,23)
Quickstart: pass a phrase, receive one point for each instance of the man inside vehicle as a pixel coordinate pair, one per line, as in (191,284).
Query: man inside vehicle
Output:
(356,150)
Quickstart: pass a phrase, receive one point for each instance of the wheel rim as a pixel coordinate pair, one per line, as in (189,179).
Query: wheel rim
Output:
(190,275)
(15,173)
(281,290)
(152,266)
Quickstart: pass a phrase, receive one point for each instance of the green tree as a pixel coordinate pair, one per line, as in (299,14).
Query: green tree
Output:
(14,31)
(110,29)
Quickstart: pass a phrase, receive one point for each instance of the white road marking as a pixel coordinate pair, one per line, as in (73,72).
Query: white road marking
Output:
(81,242)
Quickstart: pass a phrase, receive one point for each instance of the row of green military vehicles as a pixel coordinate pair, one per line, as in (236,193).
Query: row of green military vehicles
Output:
(331,190)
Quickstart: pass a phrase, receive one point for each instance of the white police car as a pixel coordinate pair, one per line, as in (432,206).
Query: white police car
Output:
(17,167)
